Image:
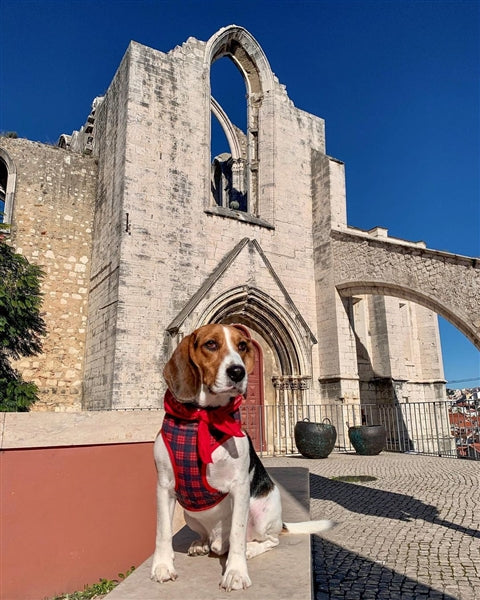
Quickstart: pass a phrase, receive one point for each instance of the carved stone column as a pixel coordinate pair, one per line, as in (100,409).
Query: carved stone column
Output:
(290,404)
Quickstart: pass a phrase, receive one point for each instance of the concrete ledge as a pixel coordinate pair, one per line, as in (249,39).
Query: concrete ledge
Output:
(280,574)
(50,429)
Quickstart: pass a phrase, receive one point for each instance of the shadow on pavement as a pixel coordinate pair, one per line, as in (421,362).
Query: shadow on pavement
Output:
(370,501)
(341,574)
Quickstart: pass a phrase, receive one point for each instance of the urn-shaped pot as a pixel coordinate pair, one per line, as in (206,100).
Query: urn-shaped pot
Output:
(315,440)
(368,439)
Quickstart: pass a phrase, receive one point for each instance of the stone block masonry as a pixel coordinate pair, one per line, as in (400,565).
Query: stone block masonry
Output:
(52,227)
(154,166)
(447,283)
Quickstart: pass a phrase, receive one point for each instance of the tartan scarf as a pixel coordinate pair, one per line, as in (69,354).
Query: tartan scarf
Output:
(220,418)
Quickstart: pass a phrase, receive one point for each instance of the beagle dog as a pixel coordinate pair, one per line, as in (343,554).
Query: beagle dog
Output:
(208,464)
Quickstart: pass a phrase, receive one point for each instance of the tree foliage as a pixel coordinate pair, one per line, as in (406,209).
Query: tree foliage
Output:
(21,326)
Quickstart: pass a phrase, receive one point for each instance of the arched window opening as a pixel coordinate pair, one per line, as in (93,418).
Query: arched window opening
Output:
(227,86)
(3,190)
(242,87)
(229,147)
(8,177)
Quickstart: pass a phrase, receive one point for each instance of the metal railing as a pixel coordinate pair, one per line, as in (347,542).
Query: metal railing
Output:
(437,428)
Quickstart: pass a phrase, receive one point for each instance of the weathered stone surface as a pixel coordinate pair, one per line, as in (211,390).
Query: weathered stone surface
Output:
(51,429)
(443,282)
(52,226)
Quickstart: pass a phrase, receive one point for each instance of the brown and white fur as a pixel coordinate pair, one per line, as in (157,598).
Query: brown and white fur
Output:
(209,368)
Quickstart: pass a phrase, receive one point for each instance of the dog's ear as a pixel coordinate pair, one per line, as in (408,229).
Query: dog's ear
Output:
(181,374)
(249,358)
(243,329)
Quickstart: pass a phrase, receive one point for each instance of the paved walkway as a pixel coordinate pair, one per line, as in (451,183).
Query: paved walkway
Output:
(271,573)
(412,533)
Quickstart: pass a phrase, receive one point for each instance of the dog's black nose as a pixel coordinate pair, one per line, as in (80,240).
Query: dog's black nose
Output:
(236,373)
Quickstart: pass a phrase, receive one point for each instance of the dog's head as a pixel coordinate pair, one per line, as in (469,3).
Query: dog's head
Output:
(211,365)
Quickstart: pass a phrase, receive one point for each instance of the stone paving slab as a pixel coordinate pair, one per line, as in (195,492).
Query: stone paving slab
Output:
(412,533)
(284,573)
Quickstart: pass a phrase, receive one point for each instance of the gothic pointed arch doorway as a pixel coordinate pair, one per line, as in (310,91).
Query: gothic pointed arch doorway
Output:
(280,383)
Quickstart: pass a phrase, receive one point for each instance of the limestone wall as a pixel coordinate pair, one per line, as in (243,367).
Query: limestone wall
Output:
(110,222)
(52,226)
(337,359)
(160,104)
(398,350)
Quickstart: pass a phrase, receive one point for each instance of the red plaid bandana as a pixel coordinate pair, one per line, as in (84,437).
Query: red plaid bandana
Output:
(209,419)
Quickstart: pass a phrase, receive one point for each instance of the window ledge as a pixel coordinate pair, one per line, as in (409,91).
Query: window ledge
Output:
(238,215)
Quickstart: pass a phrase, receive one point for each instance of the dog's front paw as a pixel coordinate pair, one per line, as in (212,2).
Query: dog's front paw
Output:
(235,580)
(199,548)
(163,572)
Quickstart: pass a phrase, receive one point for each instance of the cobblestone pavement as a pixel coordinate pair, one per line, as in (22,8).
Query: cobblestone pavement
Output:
(412,533)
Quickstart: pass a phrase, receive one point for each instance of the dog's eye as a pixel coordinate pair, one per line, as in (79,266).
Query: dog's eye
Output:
(211,345)
(242,346)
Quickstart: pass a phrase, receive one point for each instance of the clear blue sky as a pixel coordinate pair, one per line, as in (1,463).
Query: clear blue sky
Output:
(398,83)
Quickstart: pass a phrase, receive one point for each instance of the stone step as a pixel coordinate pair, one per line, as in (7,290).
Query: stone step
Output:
(280,574)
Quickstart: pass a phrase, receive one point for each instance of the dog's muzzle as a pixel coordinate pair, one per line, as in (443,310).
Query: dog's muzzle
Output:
(236,373)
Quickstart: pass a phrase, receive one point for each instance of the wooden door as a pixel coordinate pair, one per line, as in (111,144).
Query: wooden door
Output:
(252,408)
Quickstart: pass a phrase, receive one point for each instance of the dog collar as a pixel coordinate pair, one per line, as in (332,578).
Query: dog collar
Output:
(221,418)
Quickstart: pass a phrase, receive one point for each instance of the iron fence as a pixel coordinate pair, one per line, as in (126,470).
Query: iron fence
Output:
(436,428)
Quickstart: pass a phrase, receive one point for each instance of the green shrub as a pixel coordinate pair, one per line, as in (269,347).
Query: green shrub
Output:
(21,326)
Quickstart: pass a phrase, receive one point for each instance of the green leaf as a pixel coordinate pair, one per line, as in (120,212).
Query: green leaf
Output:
(21,325)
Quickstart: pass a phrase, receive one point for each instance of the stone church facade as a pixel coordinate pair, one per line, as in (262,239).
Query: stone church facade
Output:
(144,236)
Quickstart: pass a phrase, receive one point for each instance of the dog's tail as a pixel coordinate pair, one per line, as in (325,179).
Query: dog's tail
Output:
(308,526)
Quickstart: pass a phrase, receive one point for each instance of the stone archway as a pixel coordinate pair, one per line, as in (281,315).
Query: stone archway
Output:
(8,182)
(286,350)
(257,310)
(445,283)
(256,166)
(237,43)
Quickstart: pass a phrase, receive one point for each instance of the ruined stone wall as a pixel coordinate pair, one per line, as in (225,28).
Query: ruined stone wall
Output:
(398,349)
(173,242)
(145,222)
(376,337)
(52,227)
(156,145)
(290,247)
(413,342)
(108,231)
(337,349)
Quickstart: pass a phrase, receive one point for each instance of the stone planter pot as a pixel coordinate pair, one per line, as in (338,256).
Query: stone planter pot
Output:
(315,440)
(368,439)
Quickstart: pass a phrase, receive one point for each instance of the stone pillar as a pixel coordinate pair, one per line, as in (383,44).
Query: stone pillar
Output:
(336,339)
